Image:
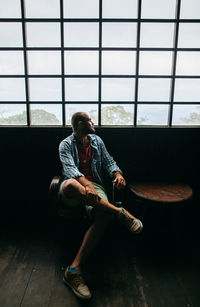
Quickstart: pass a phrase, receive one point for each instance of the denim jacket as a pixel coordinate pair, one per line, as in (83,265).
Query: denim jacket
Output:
(101,160)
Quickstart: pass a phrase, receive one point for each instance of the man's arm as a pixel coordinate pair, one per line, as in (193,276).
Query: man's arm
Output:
(91,193)
(119,180)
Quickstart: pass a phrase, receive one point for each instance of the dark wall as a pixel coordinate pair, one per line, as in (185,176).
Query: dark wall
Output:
(29,159)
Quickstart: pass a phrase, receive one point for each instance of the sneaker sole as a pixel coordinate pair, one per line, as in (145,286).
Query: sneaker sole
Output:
(139,229)
(86,298)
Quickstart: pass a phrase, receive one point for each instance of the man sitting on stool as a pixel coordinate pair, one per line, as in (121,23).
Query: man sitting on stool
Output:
(84,157)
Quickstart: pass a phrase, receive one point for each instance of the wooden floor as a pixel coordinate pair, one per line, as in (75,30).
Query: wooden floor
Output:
(123,271)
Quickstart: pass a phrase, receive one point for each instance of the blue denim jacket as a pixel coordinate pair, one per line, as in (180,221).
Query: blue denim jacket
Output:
(101,160)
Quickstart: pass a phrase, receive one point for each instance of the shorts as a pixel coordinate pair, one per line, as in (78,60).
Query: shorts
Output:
(68,202)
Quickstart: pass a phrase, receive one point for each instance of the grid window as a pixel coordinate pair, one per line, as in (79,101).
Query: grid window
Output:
(125,62)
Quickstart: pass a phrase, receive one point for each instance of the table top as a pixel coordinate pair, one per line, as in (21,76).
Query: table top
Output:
(162,192)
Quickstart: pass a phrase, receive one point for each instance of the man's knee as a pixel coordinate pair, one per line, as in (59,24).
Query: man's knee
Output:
(70,185)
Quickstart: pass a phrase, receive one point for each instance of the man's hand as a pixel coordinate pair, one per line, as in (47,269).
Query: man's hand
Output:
(119,181)
(91,195)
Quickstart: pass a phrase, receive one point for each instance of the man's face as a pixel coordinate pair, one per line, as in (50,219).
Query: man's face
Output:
(87,125)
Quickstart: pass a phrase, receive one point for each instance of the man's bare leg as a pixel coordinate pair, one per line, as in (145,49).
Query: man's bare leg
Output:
(73,189)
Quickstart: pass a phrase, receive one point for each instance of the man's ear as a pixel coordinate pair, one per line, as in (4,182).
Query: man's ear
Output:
(80,124)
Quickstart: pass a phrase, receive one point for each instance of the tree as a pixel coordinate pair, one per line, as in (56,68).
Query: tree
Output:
(116,115)
(38,117)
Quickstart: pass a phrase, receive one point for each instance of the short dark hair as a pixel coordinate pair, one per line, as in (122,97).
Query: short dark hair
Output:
(76,117)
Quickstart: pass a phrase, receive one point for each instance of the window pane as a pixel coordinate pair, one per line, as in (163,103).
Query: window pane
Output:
(118,62)
(187,90)
(157,35)
(10,9)
(118,89)
(116,114)
(119,8)
(11,63)
(153,114)
(42,8)
(81,89)
(44,62)
(119,34)
(81,62)
(90,109)
(46,114)
(12,89)
(81,9)
(81,34)
(40,34)
(188,63)
(10,34)
(186,115)
(190,9)
(158,9)
(43,89)
(154,89)
(13,114)
(189,34)
(155,63)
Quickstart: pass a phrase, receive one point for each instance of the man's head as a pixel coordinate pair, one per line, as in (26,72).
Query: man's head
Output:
(82,123)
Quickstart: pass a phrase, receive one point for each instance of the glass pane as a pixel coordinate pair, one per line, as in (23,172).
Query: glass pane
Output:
(190,9)
(13,114)
(118,89)
(10,34)
(42,8)
(158,9)
(119,8)
(116,114)
(189,34)
(10,9)
(155,63)
(43,89)
(186,115)
(90,109)
(12,89)
(153,114)
(119,34)
(159,35)
(118,62)
(187,90)
(40,34)
(81,9)
(154,89)
(46,114)
(44,62)
(81,34)
(81,89)
(81,62)
(11,63)
(188,63)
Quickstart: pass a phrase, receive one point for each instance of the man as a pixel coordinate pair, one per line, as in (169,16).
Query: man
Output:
(84,158)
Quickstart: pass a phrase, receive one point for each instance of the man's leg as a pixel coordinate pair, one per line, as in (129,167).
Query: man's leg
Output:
(73,189)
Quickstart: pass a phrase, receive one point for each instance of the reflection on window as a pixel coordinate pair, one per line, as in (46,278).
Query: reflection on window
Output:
(12,89)
(10,34)
(45,89)
(81,62)
(118,62)
(44,62)
(154,89)
(43,34)
(81,34)
(118,89)
(188,63)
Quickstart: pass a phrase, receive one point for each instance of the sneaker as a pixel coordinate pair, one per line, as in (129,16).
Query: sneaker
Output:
(75,281)
(134,225)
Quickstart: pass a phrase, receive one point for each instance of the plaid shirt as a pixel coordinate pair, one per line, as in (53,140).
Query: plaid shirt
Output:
(101,160)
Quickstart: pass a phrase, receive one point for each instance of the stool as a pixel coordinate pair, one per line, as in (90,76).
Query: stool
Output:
(161,196)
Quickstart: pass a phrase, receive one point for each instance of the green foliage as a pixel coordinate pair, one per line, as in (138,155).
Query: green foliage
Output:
(116,115)
(38,117)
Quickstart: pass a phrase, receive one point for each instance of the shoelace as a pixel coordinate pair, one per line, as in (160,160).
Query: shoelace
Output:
(77,280)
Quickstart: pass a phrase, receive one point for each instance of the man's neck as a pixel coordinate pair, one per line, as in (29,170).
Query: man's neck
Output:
(82,140)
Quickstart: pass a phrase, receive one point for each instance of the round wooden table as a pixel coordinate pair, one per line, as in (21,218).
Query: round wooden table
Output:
(158,200)
(162,192)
